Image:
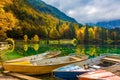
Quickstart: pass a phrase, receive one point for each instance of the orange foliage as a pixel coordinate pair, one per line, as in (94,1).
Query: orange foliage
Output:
(96,30)
(80,34)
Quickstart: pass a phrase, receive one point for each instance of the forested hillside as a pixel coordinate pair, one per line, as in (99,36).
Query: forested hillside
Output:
(23,19)
(19,18)
(41,6)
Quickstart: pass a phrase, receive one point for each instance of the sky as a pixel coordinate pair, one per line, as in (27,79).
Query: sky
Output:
(88,11)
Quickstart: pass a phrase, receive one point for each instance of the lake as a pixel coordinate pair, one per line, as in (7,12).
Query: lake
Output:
(21,49)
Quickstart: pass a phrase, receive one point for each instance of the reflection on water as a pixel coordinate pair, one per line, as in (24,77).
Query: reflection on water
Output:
(33,46)
(93,51)
(36,47)
(66,49)
(80,49)
(11,44)
(25,47)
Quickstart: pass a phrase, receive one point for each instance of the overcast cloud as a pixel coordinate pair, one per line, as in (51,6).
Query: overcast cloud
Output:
(86,11)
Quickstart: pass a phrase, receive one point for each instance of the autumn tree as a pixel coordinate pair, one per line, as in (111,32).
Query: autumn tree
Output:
(91,34)
(65,31)
(7,22)
(25,38)
(86,35)
(114,36)
(80,34)
(54,34)
(36,38)
(96,31)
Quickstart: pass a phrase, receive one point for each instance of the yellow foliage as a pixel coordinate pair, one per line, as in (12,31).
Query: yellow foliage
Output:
(7,21)
(2,34)
(91,33)
(76,27)
(93,51)
(64,30)
(36,47)
(11,45)
(25,38)
(36,38)
(25,47)
(54,34)
(96,30)
(80,33)
(11,19)
(80,49)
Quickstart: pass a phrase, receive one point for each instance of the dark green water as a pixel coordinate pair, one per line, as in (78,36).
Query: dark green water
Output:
(21,49)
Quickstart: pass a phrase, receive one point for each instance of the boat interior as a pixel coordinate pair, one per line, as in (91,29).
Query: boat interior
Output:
(57,60)
(99,62)
(41,56)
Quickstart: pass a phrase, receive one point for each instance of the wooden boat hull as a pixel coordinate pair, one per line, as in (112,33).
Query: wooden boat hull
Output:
(42,66)
(32,70)
(67,75)
(98,75)
(70,72)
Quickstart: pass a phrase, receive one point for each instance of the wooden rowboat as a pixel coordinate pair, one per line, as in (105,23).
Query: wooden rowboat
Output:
(48,54)
(42,66)
(98,75)
(70,72)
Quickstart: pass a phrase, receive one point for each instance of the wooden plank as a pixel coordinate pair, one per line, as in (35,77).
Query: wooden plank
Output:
(111,59)
(4,77)
(74,58)
(22,76)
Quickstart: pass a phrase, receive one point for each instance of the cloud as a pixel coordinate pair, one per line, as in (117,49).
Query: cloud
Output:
(86,11)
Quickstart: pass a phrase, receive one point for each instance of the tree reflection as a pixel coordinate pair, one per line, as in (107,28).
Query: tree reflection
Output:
(36,47)
(25,46)
(80,50)
(93,51)
(11,44)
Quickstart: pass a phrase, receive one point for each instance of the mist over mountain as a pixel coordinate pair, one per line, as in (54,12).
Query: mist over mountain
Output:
(107,24)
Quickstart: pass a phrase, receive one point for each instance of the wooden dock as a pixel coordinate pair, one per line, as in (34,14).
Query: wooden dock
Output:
(4,77)
(19,76)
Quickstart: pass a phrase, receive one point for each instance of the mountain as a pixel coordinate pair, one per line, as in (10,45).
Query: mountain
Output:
(41,6)
(109,24)
(19,18)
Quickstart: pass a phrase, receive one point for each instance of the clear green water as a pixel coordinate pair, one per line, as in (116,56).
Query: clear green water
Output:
(21,49)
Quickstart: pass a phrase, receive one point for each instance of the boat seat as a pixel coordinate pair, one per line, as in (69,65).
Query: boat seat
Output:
(74,58)
(111,59)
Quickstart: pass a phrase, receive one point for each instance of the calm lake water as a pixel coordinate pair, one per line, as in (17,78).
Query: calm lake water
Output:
(21,49)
